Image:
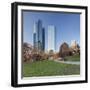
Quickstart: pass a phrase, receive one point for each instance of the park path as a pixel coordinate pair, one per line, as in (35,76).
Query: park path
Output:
(68,62)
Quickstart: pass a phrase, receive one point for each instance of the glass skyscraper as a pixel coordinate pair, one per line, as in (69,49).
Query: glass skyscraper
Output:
(34,35)
(43,39)
(39,36)
(51,38)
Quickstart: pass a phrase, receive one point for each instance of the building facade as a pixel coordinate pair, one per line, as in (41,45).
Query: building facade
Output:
(51,38)
(39,36)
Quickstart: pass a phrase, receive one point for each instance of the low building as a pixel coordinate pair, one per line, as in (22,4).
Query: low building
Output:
(65,50)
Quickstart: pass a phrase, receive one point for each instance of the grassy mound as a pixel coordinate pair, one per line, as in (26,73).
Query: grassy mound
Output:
(49,68)
(72,58)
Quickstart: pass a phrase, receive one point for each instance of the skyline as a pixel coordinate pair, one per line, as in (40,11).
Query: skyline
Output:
(67,26)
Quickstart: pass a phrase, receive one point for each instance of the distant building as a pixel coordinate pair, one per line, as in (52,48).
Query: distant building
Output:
(34,35)
(39,36)
(64,50)
(43,39)
(51,38)
(74,45)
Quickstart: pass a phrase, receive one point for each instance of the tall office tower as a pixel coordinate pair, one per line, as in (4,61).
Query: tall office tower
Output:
(51,38)
(35,35)
(43,39)
(39,36)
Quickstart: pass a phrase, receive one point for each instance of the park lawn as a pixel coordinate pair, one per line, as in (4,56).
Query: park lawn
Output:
(49,68)
(72,58)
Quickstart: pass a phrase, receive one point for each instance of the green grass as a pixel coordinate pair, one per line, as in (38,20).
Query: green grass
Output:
(72,58)
(49,68)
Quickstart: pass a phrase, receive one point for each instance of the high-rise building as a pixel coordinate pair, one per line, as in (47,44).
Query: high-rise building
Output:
(34,35)
(39,36)
(43,39)
(51,38)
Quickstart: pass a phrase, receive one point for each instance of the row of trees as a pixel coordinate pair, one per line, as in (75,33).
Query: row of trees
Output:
(33,54)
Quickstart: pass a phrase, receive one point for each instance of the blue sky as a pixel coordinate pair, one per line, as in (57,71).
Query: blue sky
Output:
(67,26)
